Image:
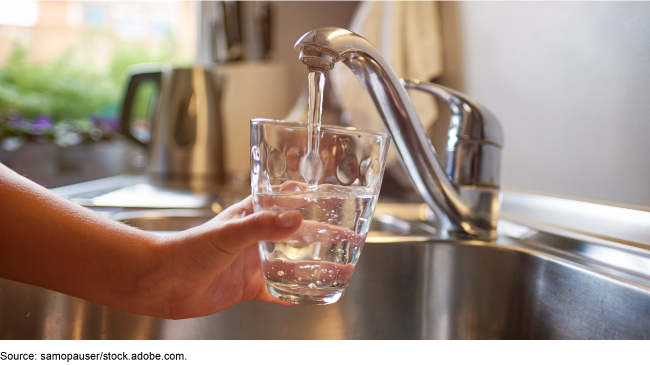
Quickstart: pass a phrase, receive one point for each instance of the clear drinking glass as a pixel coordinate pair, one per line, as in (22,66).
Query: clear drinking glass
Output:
(314,265)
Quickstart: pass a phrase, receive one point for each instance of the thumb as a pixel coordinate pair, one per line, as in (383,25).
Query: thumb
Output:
(237,234)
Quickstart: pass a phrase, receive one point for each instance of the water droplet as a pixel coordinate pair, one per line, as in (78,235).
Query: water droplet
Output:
(299,278)
(311,286)
(27,314)
(280,273)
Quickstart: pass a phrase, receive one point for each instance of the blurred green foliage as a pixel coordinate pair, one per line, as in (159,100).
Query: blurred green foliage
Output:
(73,87)
(60,89)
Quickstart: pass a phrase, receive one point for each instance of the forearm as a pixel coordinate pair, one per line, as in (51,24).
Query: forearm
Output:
(50,242)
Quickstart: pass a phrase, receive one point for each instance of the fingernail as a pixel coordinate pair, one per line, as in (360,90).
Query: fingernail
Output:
(287,219)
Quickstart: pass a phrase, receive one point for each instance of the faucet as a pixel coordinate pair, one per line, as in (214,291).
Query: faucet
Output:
(463,195)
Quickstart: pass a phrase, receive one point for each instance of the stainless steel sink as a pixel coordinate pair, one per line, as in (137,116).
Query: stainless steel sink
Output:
(163,221)
(434,290)
(536,281)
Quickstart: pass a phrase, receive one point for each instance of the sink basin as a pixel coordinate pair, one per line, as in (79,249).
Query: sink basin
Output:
(164,221)
(432,290)
(543,278)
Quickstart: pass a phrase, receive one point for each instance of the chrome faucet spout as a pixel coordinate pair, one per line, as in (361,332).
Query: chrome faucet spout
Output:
(464,195)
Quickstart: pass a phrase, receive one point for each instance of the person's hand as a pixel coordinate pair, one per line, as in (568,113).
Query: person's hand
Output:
(56,244)
(216,265)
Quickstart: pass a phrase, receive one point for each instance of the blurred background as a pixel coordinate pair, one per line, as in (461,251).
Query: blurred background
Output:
(62,67)
(569,82)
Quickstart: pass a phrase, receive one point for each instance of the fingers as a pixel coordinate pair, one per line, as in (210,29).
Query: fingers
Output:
(238,210)
(281,201)
(237,234)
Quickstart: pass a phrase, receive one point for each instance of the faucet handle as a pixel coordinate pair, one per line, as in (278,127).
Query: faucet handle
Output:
(476,120)
(475,137)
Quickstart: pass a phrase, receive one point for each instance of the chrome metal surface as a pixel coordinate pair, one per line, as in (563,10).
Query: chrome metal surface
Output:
(139,192)
(186,134)
(625,225)
(475,138)
(84,192)
(465,196)
(432,290)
